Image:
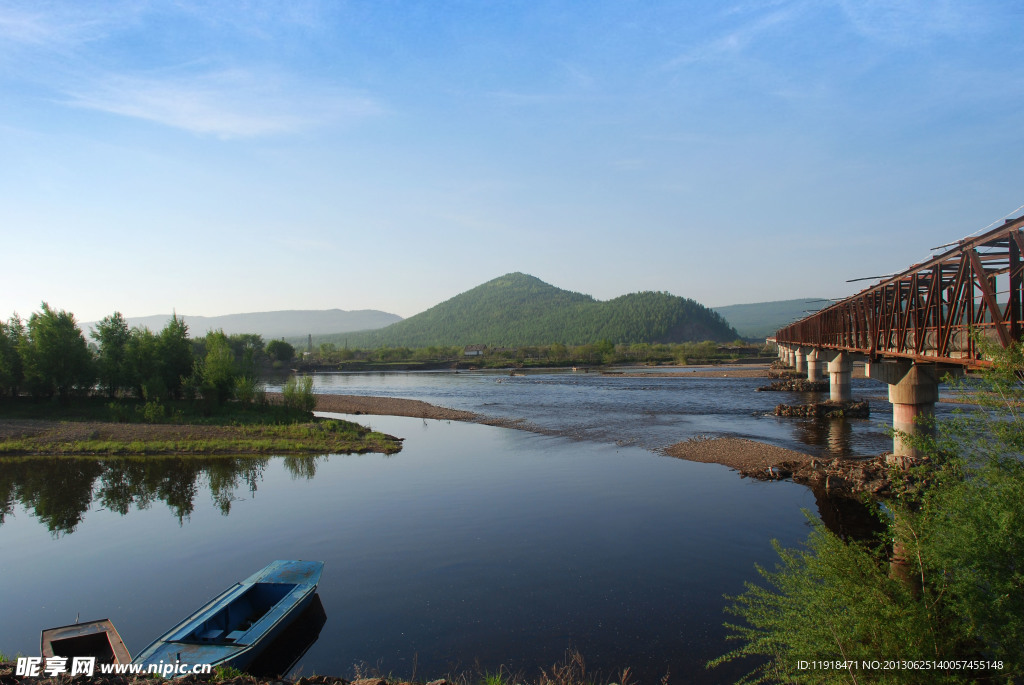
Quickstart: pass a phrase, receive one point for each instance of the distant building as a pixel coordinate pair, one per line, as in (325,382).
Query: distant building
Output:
(474,350)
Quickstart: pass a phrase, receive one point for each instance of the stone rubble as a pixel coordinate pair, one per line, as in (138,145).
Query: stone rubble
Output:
(829,409)
(795,385)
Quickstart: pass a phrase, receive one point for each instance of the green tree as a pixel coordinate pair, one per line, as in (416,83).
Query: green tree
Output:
(11,373)
(248,351)
(142,357)
(176,360)
(963,534)
(112,336)
(55,356)
(218,370)
(281,351)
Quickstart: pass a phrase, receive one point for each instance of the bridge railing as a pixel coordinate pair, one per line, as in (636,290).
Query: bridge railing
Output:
(928,312)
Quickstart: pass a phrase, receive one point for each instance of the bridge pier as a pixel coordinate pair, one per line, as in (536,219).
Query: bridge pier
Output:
(784,353)
(800,359)
(913,392)
(815,363)
(840,376)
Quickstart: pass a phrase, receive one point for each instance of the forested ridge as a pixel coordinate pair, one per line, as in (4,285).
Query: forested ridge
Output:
(517,309)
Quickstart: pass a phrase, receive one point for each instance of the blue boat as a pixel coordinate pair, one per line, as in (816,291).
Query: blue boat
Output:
(234,627)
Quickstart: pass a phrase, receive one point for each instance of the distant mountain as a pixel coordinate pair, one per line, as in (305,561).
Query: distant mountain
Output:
(283,324)
(517,310)
(762,319)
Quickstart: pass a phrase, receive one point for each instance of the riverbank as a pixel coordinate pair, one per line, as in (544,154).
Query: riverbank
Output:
(836,477)
(571,671)
(26,437)
(385,406)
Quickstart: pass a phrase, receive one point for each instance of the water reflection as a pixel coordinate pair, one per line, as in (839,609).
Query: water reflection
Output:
(836,436)
(848,518)
(58,491)
(283,654)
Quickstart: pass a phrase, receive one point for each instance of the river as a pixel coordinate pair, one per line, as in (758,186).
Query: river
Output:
(474,547)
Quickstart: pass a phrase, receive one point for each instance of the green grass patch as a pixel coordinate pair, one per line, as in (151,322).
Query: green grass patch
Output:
(319,436)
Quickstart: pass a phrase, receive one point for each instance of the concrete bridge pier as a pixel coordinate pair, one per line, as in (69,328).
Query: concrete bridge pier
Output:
(815,365)
(840,377)
(784,353)
(800,359)
(913,392)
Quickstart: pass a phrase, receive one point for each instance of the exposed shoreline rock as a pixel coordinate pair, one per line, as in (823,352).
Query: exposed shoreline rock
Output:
(829,409)
(837,477)
(795,385)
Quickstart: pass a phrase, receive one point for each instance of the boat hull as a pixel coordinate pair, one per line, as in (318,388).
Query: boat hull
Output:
(98,639)
(233,628)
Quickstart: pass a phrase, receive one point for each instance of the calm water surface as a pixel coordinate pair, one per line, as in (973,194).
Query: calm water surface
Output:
(648,412)
(473,546)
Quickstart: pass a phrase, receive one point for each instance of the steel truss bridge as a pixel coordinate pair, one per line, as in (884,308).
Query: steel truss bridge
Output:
(929,312)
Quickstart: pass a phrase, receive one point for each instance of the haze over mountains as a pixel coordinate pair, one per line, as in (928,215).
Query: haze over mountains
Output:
(513,310)
(271,325)
(762,319)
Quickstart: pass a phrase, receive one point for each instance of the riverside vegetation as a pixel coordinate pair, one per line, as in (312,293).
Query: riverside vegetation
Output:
(941,593)
(601,353)
(203,394)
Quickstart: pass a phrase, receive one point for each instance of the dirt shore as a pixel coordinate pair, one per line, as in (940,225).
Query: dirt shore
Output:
(736,453)
(387,406)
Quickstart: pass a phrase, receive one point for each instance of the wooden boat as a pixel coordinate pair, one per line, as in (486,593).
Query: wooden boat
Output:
(234,627)
(98,639)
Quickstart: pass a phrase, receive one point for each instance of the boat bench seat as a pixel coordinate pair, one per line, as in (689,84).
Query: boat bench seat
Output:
(234,635)
(210,635)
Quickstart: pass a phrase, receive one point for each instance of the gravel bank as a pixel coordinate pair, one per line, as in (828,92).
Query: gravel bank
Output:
(736,453)
(389,406)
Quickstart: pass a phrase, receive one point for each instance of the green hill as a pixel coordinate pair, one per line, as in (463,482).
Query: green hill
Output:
(517,310)
(762,319)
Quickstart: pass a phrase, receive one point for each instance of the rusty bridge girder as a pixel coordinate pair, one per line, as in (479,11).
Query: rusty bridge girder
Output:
(927,313)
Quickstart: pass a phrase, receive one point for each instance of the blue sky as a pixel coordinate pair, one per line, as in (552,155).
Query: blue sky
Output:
(227,157)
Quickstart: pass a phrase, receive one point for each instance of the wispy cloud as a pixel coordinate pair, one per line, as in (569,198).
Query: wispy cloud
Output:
(741,36)
(76,50)
(228,104)
(911,22)
(60,27)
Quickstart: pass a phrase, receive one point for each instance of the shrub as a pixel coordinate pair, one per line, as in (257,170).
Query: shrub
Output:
(961,538)
(298,393)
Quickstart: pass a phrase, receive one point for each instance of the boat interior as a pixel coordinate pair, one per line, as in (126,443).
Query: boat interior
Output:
(95,644)
(233,620)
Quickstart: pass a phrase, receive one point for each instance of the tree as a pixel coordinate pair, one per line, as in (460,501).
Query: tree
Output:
(11,372)
(281,351)
(963,534)
(112,336)
(55,356)
(176,360)
(218,372)
(142,358)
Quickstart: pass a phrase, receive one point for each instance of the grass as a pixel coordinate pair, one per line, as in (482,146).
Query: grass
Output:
(226,673)
(319,436)
(572,670)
